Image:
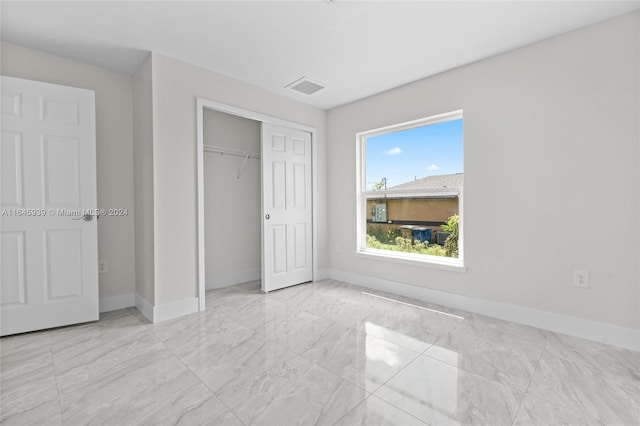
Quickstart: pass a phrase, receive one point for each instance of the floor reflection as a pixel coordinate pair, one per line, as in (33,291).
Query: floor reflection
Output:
(412,305)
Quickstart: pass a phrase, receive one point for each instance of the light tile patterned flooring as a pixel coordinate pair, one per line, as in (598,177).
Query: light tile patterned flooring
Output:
(323,353)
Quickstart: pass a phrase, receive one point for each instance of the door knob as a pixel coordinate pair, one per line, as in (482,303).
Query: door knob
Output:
(87,217)
(266,216)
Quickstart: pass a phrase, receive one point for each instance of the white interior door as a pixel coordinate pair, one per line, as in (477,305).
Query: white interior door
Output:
(48,251)
(287,246)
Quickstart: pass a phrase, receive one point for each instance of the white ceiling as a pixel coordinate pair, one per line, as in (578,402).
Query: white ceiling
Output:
(355,48)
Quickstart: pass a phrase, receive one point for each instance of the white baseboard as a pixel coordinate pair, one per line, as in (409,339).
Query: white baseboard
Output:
(168,310)
(175,309)
(592,330)
(321,274)
(119,301)
(145,307)
(233,278)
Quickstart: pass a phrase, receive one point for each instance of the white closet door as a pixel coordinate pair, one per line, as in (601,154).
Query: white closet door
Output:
(48,251)
(287,246)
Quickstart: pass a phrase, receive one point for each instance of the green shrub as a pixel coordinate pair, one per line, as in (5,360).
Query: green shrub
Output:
(404,245)
(386,237)
(451,243)
(372,242)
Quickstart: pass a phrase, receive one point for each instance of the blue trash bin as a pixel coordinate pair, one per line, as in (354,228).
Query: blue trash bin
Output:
(419,234)
(422,235)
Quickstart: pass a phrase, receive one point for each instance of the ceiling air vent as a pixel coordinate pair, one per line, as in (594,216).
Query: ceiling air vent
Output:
(304,85)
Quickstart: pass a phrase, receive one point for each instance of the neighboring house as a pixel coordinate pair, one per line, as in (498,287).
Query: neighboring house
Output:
(426,202)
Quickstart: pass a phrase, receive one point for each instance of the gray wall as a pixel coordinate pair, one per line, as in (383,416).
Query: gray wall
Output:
(551,136)
(176,85)
(114,145)
(143,183)
(232,205)
(551,162)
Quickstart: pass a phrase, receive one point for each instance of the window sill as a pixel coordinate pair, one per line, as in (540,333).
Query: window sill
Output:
(435,262)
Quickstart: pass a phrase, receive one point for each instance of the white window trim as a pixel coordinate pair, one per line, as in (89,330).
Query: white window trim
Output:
(439,262)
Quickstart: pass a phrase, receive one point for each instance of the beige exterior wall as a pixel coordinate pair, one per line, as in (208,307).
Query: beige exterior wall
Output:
(414,209)
(417,209)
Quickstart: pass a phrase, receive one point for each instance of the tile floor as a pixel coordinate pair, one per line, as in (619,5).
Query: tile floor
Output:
(325,353)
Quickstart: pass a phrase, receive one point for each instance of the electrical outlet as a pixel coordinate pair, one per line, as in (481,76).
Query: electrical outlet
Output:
(103,266)
(581,279)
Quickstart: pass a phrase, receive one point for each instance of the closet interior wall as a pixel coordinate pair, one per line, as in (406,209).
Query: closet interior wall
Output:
(231,203)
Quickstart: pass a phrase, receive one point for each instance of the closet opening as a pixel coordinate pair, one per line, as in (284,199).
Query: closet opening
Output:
(231,199)
(256,204)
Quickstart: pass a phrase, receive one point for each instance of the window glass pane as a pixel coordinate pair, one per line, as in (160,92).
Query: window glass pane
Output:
(413,180)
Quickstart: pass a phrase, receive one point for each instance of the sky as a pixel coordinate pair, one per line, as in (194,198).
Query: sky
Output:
(403,156)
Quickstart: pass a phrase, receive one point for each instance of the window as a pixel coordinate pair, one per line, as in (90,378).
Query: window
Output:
(410,190)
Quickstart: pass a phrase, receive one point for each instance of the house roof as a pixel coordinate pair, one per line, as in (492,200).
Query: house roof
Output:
(428,187)
(435,181)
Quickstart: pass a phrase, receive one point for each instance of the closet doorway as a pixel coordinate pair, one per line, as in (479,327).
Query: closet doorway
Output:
(256,204)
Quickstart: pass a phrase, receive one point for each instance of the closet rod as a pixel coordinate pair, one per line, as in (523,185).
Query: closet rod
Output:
(229,151)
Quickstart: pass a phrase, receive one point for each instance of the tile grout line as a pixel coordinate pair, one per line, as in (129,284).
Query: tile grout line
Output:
(300,355)
(583,410)
(198,378)
(355,327)
(354,408)
(547,350)
(55,377)
(526,391)
(367,393)
(371,395)
(418,355)
(274,341)
(467,372)
(475,373)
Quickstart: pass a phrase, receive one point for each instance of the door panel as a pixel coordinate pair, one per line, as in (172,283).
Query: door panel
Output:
(13,272)
(299,186)
(300,246)
(49,261)
(299,146)
(279,249)
(59,111)
(287,215)
(11,103)
(278,185)
(278,143)
(63,255)
(11,155)
(61,178)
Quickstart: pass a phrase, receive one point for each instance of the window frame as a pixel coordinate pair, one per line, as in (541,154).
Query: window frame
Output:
(362,194)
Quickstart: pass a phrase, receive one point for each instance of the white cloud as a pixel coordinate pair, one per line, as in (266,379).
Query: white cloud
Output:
(433,168)
(394,151)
